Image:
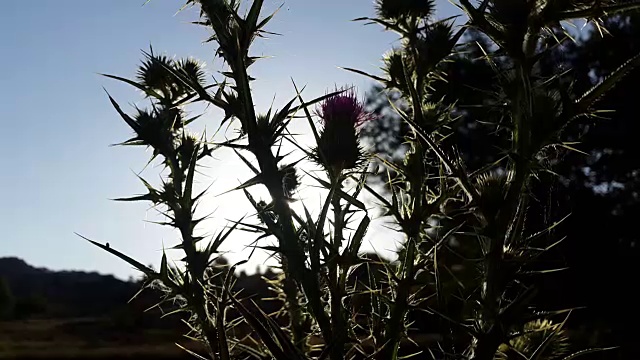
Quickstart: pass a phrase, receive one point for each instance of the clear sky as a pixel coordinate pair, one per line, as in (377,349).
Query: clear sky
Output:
(57,169)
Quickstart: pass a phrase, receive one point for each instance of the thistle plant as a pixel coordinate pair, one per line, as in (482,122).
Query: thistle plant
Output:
(466,267)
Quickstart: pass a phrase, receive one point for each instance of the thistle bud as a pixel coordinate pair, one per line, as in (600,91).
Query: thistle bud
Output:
(290,179)
(396,9)
(394,67)
(491,188)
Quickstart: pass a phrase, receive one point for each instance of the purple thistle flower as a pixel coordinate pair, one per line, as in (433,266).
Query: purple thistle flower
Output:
(341,115)
(344,107)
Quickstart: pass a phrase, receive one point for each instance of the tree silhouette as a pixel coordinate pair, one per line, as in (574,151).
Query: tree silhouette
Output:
(597,186)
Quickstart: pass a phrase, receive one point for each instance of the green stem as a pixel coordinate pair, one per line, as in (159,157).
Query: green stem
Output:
(338,321)
(395,326)
(500,232)
(183,214)
(296,314)
(289,243)
(197,292)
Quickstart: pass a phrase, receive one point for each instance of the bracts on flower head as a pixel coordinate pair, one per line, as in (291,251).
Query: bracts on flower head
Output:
(341,116)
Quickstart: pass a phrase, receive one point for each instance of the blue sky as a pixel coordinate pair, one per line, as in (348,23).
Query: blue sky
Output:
(58,170)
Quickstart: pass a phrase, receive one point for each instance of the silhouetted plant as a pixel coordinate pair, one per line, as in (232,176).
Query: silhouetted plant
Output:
(469,253)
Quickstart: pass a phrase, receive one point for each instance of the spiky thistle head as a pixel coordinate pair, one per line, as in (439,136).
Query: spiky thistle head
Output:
(341,116)
(345,108)
(491,189)
(396,9)
(290,179)
(535,333)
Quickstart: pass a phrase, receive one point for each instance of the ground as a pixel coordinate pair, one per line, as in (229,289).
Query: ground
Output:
(86,339)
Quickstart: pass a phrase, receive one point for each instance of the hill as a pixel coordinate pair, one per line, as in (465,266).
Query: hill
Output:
(62,294)
(84,315)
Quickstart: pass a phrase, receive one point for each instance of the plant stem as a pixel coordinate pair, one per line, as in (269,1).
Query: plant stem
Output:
(294,308)
(183,214)
(289,243)
(500,232)
(394,329)
(395,326)
(338,323)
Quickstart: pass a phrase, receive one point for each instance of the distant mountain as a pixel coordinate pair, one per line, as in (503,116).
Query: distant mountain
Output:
(80,315)
(65,293)
(78,294)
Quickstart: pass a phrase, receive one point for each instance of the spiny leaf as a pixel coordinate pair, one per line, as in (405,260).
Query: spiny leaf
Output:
(384,23)
(359,187)
(548,229)
(376,78)
(131,122)
(255,320)
(455,171)
(146,90)
(282,338)
(258,179)
(268,18)
(251,350)
(547,314)
(254,228)
(356,240)
(316,136)
(599,10)
(518,353)
(247,162)
(223,344)
(278,121)
(195,355)
(409,356)
(188,188)
(452,321)
(138,265)
(593,94)
(571,148)
(588,351)
(145,197)
(251,20)
(221,237)
(355,202)
(541,272)
(164,274)
(319,236)
(384,201)
(389,164)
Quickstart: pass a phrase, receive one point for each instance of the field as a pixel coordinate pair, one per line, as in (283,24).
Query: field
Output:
(86,339)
